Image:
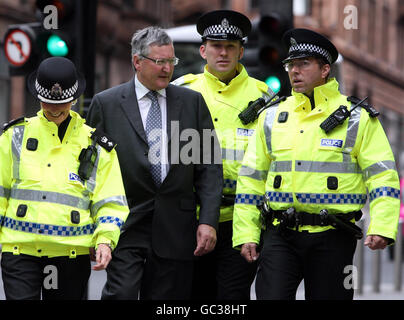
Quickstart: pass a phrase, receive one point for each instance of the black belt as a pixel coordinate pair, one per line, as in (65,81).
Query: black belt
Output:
(312,219)
(292,219)
(228,200)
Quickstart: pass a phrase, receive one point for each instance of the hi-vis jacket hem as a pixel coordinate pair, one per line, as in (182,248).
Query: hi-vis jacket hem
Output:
(42,198)
(311,170)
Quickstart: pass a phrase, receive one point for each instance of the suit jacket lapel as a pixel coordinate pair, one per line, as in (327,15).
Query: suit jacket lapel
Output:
(131,109)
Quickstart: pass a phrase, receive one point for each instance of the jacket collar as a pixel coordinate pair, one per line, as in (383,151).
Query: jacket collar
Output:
(214,81)
(322,94)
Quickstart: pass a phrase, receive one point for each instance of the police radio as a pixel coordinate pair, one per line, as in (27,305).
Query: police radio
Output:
(250,113)
(87,159)
(254,109)
(338,117)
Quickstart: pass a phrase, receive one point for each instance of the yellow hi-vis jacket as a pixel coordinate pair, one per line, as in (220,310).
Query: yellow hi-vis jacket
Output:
(45,208)
(225,102)
(289,144)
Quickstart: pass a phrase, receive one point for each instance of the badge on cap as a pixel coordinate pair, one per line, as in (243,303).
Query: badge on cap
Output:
(225,23)
(293,42)
(56,91)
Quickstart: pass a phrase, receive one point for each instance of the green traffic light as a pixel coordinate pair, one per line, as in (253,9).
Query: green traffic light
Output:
(274,83)
(57,46)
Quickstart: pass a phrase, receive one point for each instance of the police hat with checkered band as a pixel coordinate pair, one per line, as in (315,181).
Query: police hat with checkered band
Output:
(223,25)
(56,81)
(303,43)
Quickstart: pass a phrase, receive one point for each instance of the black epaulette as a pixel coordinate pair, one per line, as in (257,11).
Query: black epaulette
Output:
(103,140)
(12,122)
(372,111)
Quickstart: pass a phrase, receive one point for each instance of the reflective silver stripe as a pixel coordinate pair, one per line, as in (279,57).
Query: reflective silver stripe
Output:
(281,166)
(325,167)
(119,200)
(231,154)
(4,192)
(268,125)
(269,94)
(352,132)
(179,81)
(253,173)
(16,147)
(47,229)
(332,198)
(378,167)
(91,182)
(53,197)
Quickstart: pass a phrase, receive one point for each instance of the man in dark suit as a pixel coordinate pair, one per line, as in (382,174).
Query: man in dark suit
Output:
(147,117)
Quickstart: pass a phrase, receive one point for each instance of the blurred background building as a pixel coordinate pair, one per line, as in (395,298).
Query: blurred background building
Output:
(369,35)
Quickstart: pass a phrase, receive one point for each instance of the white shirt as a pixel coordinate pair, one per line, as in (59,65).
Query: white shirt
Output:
(144,106)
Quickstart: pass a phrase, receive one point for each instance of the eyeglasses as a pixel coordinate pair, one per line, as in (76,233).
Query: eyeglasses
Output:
(300,64)
(163,62)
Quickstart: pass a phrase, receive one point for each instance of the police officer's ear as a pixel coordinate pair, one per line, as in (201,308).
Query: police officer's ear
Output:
(202,50)
(241,53)
(74,102)
(325,71)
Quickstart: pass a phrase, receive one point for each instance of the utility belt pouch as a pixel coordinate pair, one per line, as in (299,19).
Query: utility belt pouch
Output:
(266,214)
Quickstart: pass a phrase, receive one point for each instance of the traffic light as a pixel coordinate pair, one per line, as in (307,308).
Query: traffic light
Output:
(59,22)
(250,56)
(272,52)
(26,45)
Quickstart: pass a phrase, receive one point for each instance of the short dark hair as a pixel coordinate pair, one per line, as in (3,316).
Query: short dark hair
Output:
(322,62)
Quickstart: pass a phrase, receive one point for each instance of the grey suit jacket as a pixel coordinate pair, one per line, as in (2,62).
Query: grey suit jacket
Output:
(173,205)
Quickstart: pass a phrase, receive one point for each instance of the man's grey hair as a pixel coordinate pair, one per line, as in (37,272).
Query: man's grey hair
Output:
(142,39)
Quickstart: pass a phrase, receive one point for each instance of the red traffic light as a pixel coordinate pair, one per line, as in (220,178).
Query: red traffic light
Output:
(64,7)
(273,23)
(269,55)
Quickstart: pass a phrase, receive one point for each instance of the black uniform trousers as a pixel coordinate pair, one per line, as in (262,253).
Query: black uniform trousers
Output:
(25,277)
(223,274)
(136,272)
(322,259)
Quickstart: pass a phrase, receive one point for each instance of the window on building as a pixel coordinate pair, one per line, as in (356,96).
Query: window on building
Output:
(385,34)
(371,27)
(400,44)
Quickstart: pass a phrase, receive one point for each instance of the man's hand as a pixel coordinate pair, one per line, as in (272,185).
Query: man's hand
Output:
(205,239)
(102,257)
(249,251)
(375,242)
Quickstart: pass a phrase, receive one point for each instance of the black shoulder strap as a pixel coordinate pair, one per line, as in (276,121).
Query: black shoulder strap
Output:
(103,140)
(372,111)
(12,122)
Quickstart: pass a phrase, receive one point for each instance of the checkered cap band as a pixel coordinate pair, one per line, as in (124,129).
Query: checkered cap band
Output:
(310,48)
(219,29)
(67,94)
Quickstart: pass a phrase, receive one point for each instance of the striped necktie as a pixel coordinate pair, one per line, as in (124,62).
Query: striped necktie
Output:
(154,137)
